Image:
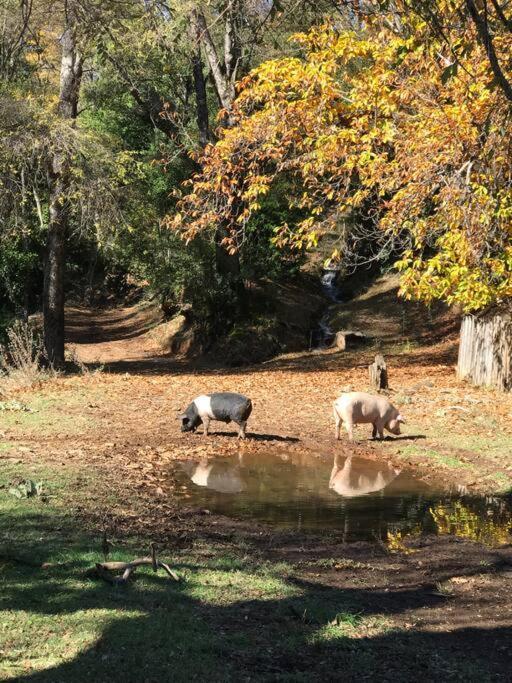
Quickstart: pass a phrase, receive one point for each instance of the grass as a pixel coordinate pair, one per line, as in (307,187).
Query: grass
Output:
(339,563)
(47,416)
(230,610)
(497,445)
(503,483)
(236,615)
(412,451)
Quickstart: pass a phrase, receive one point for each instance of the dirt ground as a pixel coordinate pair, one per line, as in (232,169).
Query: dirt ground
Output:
(454,432)
(442,594)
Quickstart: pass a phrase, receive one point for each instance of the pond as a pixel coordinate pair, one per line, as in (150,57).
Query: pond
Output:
(362,499)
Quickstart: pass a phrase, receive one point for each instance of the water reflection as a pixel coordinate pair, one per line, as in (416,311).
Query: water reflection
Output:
(362,499)
(352,477)
(221,475)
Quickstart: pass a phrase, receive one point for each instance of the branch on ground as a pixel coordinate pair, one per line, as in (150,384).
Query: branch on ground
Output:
(103,570)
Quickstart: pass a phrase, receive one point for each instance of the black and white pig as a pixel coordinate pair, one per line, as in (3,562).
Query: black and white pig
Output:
(223,406)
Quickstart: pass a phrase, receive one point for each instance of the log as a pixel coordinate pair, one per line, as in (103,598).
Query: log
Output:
(344,339)
(378,373)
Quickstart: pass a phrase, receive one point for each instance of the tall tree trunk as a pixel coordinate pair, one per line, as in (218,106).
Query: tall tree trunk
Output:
(223,67)
(53,293)
(223,70)
(202,115)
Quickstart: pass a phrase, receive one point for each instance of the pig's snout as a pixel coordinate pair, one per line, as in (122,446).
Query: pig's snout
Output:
(393,425)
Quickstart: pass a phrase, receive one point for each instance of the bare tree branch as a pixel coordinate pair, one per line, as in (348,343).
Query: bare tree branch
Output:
(482,27)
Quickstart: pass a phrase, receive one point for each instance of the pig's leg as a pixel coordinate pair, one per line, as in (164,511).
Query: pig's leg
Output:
(241,431)
(374,431)
(350,429)
(380,428)
(338,423)
(206,424)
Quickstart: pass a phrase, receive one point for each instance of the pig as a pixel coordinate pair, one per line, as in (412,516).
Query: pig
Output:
(357,407)
(222,406)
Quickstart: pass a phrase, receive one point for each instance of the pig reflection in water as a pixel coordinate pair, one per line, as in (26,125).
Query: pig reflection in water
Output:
(223,477)
(351,479)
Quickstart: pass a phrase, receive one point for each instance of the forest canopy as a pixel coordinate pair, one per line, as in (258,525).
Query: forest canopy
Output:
(395,136)
(197,146)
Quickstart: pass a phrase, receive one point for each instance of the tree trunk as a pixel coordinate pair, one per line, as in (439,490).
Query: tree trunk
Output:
(53,295)
(202,114)
(203,124)
(53,292)
(224,71)
(486,40)
(485,350)
(227,264)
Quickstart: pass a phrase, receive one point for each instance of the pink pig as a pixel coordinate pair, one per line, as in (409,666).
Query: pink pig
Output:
(359,408)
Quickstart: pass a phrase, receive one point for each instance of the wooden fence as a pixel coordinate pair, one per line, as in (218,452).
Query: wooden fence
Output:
(485,351)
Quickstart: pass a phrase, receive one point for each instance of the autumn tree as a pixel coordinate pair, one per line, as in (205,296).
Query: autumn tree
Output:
(386,125)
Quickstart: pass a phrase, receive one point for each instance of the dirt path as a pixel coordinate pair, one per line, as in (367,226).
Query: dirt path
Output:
(112,335)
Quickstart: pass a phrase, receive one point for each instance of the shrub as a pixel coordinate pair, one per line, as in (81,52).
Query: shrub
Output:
(21,358)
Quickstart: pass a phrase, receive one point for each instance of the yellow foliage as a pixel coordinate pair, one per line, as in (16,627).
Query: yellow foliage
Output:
(395,542)
(373,119)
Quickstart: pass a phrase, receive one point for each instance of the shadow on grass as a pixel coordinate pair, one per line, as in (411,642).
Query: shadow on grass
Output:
(228,621)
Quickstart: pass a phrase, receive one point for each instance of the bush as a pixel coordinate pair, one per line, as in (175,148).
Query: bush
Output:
(21,358)
(247,343)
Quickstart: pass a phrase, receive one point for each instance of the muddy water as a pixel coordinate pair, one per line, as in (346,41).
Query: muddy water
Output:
(362,499)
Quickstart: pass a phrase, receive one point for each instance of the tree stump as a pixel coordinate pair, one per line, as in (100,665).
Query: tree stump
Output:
(378,373)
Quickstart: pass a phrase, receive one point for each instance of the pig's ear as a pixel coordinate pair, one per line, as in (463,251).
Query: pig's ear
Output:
(183,417)
(400,418)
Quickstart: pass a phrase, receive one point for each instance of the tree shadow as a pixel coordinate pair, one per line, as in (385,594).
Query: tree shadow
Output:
(306,362)
(178,637)
(155,630)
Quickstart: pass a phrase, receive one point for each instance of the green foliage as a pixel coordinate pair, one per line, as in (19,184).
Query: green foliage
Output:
(261,258)
(131,146)
(20,272)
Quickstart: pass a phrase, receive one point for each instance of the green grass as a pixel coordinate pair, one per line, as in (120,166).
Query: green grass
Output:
(412,451)
(235,616)
(494,446)
(503,482)
(232,607)
(49,414)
